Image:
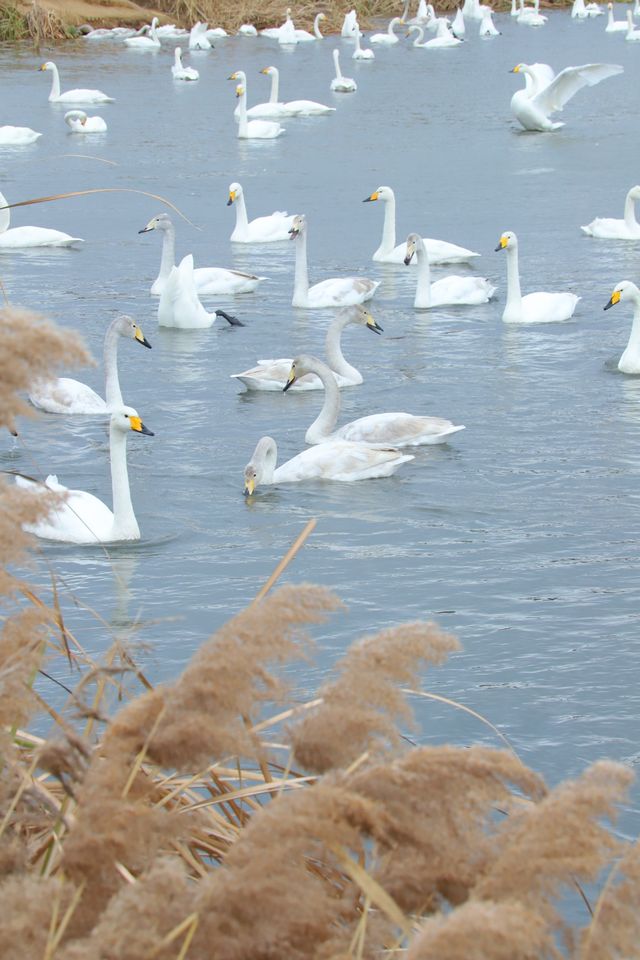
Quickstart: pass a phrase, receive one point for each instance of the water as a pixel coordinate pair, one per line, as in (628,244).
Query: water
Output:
(519,535)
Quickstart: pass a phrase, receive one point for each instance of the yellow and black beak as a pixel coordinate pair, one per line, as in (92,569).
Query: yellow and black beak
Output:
(265,70)
(249,486)
(374,196)
(515,69)
(42,66)
(234,76)
(149,226)
(140,337)
(615,298)
(408,258)
(501,244)
(293,232)
(138,426)
(232,197)
(374,325)
(290,380)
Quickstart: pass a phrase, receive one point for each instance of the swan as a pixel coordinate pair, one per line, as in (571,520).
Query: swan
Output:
(72,96)
(247,30)
(361,53)
(180,305)
(287,33)
(419,32)
(252,129)
(514,8)
(82,518)
(208,280)
(349,25)
(533,110)
(448,290)
(333,460)
(439,251)
(531,17)
(444,37)
(67,396)
(389,37)
(79,122)
(632,34)
(424,15)
(609,229)
(20,237)
(316,25)
(336,292)
(261,230)
(629,362)
(593,10)
(198,39)
(272,374)
(292,108)
(534,307)
(179,72)
(473,9)
(458,28)
(152,42)
(17,136)
(578,10)
(487,27)
(216,33)
(171,32)
(398,429)
(614,26)
(341,84)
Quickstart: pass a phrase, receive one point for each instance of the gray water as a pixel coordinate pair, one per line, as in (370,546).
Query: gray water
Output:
(518,536)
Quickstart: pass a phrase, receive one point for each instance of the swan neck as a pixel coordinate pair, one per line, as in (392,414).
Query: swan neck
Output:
(405,12)
(389,226)
(275,86)
(336,60)
(125,526)
(167,261)
(316,28)
(243,124)
(423,286)
(629,213)
(514,296)
(177,59)
(5,215)
(301,278)
(55,83)
(333,350)
(242,222)
(112,392)
(419,32)
(268,459)
(323,425)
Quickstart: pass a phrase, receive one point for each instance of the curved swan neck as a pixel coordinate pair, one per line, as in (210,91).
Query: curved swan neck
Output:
(242,222)
(125,526)
(55,83)
(405,12)
(389,226)
(316,27)
(336,60)
(392,24)
(629,213)
(423,286)
(177,59)
(301,278)
(333,349)
(265,457)
(113,394)
(5,215)
(167,261)
(275,85)
(514,296)
(153,32)
(326,420)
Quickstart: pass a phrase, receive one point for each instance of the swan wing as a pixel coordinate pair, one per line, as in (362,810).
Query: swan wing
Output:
(399,429)
(340,460)
(36,237)
(543,307)
(567,83)
(342,291)
(82,518)
(307,107)
(17,136)
(464,290)
(214,280)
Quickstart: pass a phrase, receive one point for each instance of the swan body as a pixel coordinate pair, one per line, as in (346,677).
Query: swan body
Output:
(171,32)
(609,229)
(487,27)
(614,26)
(79,122)
(67,396)
(582,11)
(180,305)
(341,84)
(216,33)
(293,108)
(458,28)
(473,9)
(333,460)
(273,374)
(388,38)
(534,307)
(396,429)
(531,17)
(72,96)
(361,53)
(269,229)
(449,290)
(336,292)
(180,72)
(198,39)
(533,110)
(252,129)
(444,37)
(208,280)
(83,518)
(247,30)
(349,25)
(632,34)
(22,237)
(626,291)
(152,42)
(17,136)
(439,251)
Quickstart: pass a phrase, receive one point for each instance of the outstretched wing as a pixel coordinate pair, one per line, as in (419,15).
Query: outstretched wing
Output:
(569,81)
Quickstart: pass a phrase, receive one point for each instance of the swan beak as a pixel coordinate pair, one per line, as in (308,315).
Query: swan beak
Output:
(374,196)
(615,298)
(374,325)
(249,486)
(265,70)
(502,244)
(140,337)
(408,258)
(290,380)
(139,427)
(515,69)
(232,197)
(293,232)
(42,67)
(239,91)
(148,227)
(234,76)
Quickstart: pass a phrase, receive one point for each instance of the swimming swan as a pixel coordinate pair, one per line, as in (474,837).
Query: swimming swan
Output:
(443,38)
(361,53)
(487,27)
(533,110)
(72,96)
(272,374)
(610,229)
(179,71)
(17,136)
(614,26)
(67,396)
(340,83)
(79,122)
(252,129)
(439,251)
(448,290)
(180,305)
(398,429)
(534,307)
(198,39)
(632,34)
(152,42)
(336,292)
(261,230)
(21,237)
(333,460)
(208,280)
(82,518)
(292,108)
(389,37)
(630,360)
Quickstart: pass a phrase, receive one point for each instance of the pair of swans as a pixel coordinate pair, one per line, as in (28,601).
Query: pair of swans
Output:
(626,291)
(543,96)
(67,396)
(451,290)
(79,95)
(335,292)
(541,307)
(19,238)
(180,305)
(252,129)
(81,517)
(79,122)
(340,83)
(150,42)
(273,374)
(274,109)
(608,228)
(439,251)
(443,38)
(268,229)
(288,34)
(179,71)
(214,281)
(17,136)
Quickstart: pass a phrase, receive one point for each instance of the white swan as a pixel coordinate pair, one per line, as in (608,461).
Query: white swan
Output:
(632,34)
(198,39)
(630,360)
(390,37)
(247,30)
(448,290)
(533,110)
(291,108)
(443,38)
(180,305)
(17,136)
(152,42)
(398,429)
(439,251)
(252,129)
(340,83)
(333,460)
(531,17)
(487,27)
(360,52)
(273,374)
(534,307)
(171,32)
(208,280)
(21,237)
(614,26)
(72,96)
(216,33)
(261,230)
(349,25)
(336,292)
(316,26)
(609,229)
(82,518)
(458,28)
(67,396)
(79,122)
(180,72)
(418,29)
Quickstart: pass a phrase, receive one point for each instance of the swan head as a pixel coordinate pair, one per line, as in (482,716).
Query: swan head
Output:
(72,116)
(49,65)
(301,365)
(298,225)
(238,75)
(358,313)
(382,193)
(507,241)
(634,193)
(413,244)
(625,290)
(126,418)
(127,327)
(519,68)
(269,71)
(235,191)
(161,222)
(264,455)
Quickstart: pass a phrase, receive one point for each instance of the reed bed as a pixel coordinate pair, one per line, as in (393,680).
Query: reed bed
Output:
(213,817)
